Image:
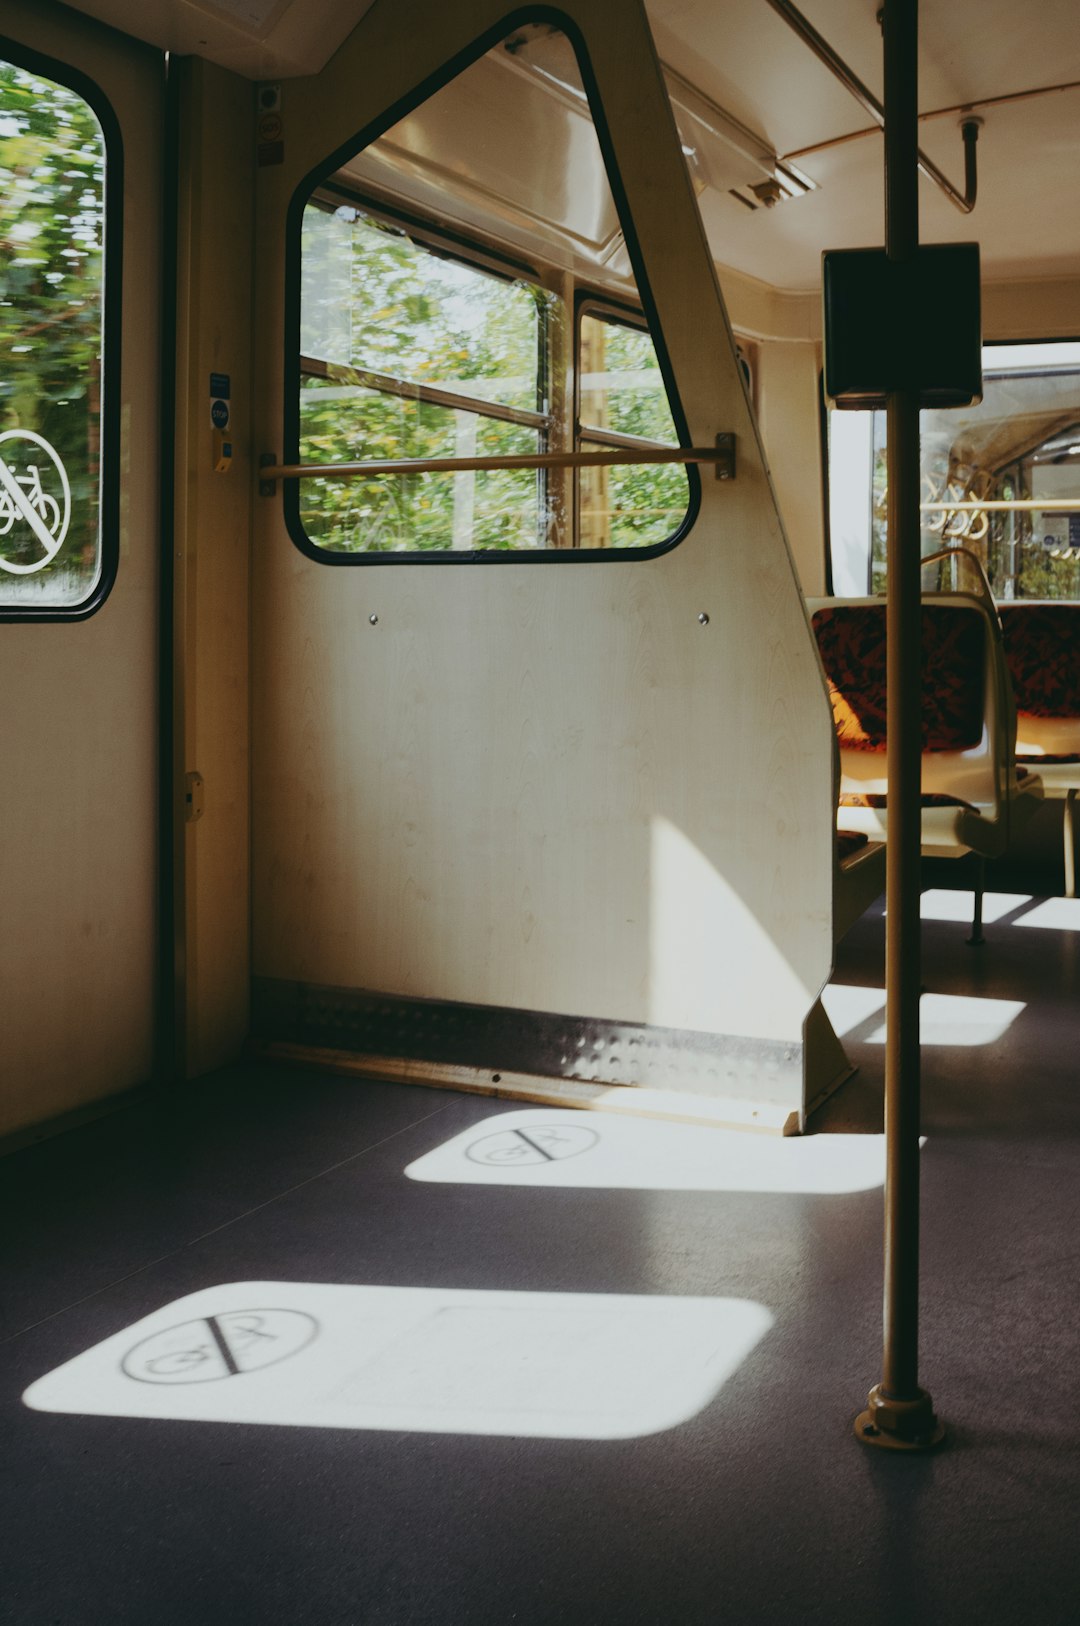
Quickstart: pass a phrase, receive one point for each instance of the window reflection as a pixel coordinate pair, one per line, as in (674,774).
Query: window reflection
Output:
(52,193)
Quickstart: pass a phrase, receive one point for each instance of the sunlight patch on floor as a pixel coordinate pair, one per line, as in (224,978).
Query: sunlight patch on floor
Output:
(945,1019)
(422,1360)
(850,1005)
(1057,914)
(940,903)
(541,1148)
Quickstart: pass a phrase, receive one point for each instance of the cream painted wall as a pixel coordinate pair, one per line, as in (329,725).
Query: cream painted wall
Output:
(78,719)
(544,785)
(1036,308)
(1048,309)
(787,329)
(789,395)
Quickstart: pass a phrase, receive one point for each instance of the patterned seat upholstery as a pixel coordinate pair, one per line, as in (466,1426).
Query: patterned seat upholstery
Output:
(973,799)
(849,842)
(1042,648)
(874,799)
(1043,653)
(851,640)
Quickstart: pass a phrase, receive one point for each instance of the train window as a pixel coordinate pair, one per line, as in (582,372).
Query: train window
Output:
(621,401)
(52,217)
(461,299)
(1018,449)
(410,352)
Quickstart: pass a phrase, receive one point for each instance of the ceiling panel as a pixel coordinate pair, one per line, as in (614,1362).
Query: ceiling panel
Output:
(743,56)
(744,59)
(1029,157)
(260,39)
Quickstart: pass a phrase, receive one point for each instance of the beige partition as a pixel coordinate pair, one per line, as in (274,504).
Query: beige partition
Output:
(599,788)
(79,714)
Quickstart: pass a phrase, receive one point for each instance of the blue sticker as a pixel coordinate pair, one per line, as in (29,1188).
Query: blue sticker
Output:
(220,385)
(219,414)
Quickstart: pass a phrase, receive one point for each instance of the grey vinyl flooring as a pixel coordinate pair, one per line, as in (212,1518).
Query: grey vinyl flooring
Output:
(761,1507)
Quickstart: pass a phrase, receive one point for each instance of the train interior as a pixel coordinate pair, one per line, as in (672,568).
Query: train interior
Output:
(446,814)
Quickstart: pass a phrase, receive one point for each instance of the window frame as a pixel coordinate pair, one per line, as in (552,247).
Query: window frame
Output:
(606,308)
(826,461)
(323,175)
(62,73)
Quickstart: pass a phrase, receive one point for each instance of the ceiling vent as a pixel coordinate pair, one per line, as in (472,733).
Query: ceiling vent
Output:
(726,156)
(721,154)
(783,183)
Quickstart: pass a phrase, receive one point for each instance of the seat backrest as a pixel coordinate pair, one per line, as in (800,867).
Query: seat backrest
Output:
(1042,648)
(968,727)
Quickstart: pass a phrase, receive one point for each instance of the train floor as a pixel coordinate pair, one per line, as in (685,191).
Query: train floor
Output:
(300,1349)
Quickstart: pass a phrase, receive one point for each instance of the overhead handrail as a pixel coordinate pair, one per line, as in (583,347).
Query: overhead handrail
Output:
(722,456)
(1020,504)
(970,518)
(969,128)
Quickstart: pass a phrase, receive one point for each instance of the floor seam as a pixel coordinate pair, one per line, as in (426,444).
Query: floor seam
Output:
(191,1242)
(330,1169)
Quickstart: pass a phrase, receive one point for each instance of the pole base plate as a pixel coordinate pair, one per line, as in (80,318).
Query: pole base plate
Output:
(899,1425)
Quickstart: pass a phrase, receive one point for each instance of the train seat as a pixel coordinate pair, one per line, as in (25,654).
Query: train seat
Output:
(974,800)
(858,877)
(1042,649)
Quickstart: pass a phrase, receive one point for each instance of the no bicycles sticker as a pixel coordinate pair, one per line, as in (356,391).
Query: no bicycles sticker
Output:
(35,498)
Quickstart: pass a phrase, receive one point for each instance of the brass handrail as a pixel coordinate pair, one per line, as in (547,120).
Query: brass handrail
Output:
(969,128)
(722,455)
(1053,505)
(974,563)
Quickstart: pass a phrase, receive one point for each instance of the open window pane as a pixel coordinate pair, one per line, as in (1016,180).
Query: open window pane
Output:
(622,394)
(52,186)
(381,301)
(440,271)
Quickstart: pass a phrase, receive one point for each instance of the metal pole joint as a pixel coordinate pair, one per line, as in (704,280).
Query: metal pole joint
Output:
(899,1425)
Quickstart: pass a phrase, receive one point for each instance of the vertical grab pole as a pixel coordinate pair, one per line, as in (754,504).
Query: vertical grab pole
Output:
(899,1414)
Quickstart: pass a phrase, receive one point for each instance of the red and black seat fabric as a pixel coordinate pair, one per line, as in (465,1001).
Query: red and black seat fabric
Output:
(851,639)
(1043,655)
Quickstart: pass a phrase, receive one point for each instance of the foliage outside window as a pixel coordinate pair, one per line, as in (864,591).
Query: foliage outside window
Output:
(410,349)
(460,276)
(623,401)
(52,196)
(409,353)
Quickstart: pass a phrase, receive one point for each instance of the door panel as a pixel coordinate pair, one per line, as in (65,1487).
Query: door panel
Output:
(79,722)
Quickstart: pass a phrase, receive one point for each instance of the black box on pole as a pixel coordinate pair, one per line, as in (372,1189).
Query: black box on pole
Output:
(902,325)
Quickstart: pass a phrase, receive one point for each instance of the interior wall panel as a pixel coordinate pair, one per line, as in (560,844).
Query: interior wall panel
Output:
(78,723)
(551,786)
(789,381)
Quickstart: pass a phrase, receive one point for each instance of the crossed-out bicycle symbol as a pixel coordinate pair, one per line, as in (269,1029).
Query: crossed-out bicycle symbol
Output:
(219,1346)
(25,501)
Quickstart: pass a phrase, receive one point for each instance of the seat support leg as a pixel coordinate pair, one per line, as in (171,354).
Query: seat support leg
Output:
(1069,842)
(977,937)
